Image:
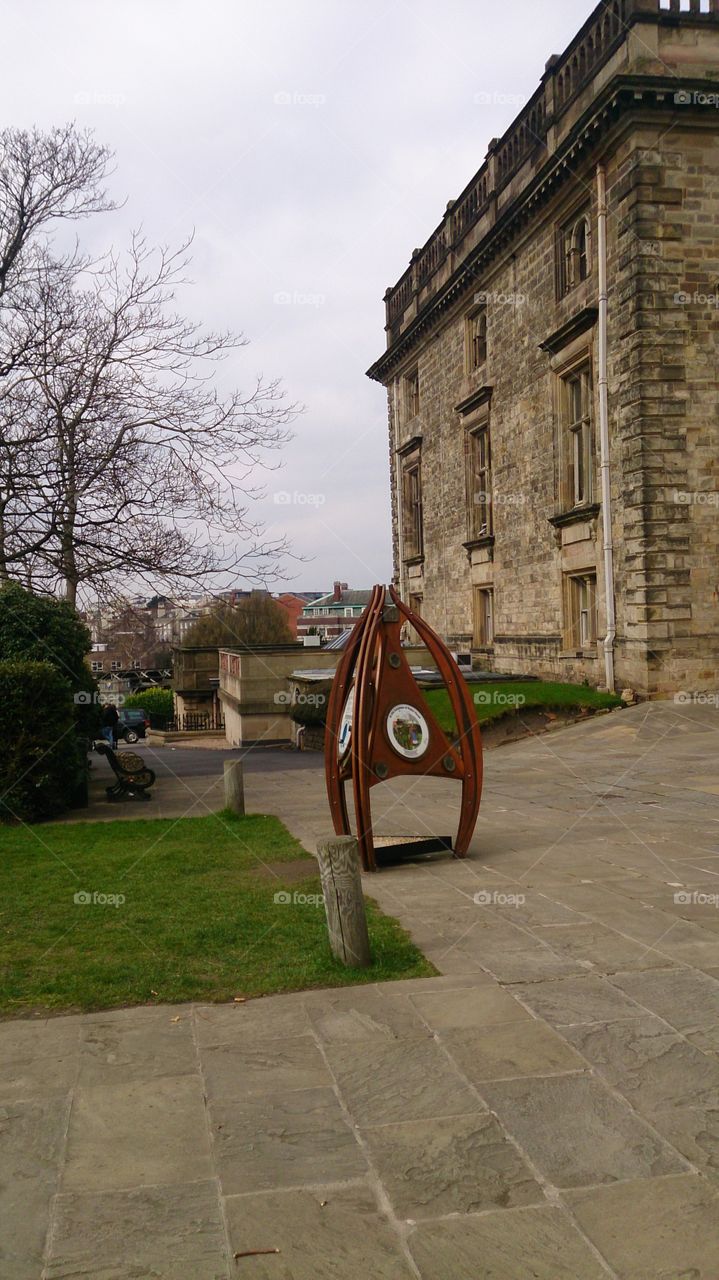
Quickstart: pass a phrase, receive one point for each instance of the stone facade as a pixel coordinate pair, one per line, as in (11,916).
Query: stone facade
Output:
(493,360)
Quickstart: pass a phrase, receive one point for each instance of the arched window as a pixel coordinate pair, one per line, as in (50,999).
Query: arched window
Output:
(575,256)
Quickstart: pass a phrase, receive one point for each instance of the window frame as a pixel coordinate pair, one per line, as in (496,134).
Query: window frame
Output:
(581,616)
(475,340)
(483,616)
(412,507)
(574,263)
(411,395)
(478,479)
(576,433)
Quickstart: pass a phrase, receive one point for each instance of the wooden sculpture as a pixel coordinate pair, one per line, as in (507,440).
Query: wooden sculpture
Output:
(379,724)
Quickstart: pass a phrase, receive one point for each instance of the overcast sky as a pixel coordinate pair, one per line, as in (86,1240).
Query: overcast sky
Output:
(311,144)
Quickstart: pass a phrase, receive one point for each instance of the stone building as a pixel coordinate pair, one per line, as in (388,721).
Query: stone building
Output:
(551,369)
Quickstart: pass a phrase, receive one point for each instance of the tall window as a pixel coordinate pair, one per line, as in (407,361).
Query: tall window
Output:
(483,616)
(479,483)
(576,427)
(411,394)
(573,252)
(476,339)
(413,536)
(581,610)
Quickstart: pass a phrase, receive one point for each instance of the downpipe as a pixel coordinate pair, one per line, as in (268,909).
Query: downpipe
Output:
(606,489)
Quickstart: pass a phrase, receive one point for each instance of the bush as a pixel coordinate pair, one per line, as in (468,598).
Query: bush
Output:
(42,629)
(158,703)
(41,763)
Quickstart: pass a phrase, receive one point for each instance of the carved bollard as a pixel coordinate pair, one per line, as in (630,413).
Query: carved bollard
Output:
(338,857)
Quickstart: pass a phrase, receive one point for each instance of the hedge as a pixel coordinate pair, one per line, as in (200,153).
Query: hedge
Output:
(41,760)
(158,703)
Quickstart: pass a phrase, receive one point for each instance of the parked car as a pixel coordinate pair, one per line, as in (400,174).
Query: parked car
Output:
(133,724)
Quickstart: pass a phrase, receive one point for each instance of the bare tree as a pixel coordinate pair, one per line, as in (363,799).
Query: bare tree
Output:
(45,177)
(145,468)
(119,458)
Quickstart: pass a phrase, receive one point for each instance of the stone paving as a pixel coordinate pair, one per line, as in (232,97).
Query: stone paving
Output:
(548,1108)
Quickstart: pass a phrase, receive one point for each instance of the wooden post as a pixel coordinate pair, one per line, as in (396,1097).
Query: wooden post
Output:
(234,786)
(338,857)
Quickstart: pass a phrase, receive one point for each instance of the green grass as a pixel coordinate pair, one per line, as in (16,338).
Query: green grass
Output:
(198,921)
(500,698)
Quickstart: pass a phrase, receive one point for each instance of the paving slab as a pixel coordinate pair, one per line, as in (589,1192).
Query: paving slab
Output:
(648,1230)
(263,1066)
(512,1049)
(402,1080)
(330,1234)
(521,1244)
(577,1133)
(173,1232)
(459,1164)
(284,1140)
(124,1135)
(31,1144)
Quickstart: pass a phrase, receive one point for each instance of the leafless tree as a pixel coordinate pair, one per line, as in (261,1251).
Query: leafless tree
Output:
(45,177)
(120,461)
(146,470)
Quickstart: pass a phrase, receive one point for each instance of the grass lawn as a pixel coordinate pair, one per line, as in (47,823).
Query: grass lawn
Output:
(500,698)
(198,920)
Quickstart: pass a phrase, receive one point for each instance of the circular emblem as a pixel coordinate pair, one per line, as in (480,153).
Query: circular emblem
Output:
(345,732)
(407,731)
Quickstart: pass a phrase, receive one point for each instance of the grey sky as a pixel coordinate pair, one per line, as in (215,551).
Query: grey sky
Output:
(312,145)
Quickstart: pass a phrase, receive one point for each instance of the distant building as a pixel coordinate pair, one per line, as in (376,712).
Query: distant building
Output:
(330,615)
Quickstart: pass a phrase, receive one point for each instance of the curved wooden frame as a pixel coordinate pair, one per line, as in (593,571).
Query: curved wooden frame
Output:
(374,667)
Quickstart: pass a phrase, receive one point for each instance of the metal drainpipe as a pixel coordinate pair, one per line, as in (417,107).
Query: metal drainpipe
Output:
(604,433)
(398,485)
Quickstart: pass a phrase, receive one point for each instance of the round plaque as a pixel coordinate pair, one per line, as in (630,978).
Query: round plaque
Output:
(407,731)
(344,736)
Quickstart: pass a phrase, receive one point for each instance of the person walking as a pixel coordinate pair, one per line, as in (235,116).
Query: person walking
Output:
(110,720)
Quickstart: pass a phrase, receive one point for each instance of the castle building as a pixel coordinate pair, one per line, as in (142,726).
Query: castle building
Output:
(552,371)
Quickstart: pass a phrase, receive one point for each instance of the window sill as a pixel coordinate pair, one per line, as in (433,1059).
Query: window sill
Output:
(575,515)
(476,544)
(578,653)
(412,560)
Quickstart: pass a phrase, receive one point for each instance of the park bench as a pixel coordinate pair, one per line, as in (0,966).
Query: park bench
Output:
(133,776)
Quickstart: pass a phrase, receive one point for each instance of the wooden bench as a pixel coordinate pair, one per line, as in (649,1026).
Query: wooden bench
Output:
(133,776)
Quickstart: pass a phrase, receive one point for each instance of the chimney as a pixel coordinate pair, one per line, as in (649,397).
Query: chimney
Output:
(337,593)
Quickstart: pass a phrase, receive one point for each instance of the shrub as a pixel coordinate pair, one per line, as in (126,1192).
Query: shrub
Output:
(42,629)
(158,703)
(41,764)
(311,708)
